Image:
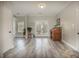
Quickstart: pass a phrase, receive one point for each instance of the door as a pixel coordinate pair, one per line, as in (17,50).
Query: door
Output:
(77,27)
(7,37)
(41,28)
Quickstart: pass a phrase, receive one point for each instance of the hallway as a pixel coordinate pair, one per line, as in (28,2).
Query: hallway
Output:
(40,48)
(44,18)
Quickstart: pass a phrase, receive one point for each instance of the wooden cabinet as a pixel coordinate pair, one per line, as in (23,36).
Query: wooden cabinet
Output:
(56,34)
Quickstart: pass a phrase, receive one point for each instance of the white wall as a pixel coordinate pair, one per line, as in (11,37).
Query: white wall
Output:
(69,22)
(26,18)
(7,38)
(31,21)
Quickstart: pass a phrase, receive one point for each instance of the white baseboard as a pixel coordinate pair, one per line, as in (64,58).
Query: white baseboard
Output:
(70,45)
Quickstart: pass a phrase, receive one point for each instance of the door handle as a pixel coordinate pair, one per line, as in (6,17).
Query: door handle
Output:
(9,31)
(78,33)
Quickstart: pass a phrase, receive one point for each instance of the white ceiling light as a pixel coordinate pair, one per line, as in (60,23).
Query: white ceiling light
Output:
(42,5)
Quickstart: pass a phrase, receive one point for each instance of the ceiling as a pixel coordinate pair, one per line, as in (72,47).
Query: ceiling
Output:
(21,8)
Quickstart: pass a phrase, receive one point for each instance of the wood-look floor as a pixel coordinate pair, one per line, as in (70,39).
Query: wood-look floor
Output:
(40,48)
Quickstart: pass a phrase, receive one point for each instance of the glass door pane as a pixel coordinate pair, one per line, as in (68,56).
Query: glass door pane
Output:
(41,28)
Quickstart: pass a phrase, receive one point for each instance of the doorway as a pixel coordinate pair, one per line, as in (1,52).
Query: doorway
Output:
(41,28)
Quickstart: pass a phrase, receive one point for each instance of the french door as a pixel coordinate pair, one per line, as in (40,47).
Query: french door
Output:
(41,28)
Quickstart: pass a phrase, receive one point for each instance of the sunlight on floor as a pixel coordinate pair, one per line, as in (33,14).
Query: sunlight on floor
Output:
(20,44)
(38,43)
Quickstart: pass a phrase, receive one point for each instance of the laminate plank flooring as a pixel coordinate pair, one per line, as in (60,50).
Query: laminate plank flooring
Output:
(40,48)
